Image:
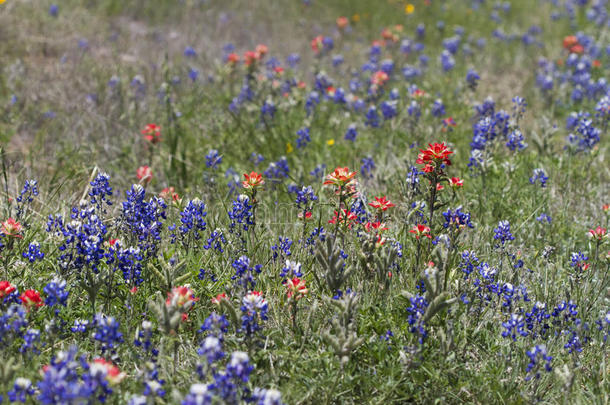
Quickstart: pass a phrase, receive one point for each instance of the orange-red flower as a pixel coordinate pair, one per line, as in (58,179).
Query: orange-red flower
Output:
(111,372)
(345,217)
(381,203)
(6,289)
(342,22)
(218,299)
(375,227)
(296,288)
(232,58)
(379,78)
(31,299)
(152,133)
(456,182)
(11,228)
(144,174)
(340,177)
(421,230)
(169,194)
(436,154)
(598,233)
(253,180)
(569,41)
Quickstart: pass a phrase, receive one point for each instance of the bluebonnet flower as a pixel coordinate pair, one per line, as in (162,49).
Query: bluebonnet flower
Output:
(456,219)
(514,326)
(315,235)
(83,237)
(415,320)
(351,133)
(13,323)
(305,196)
(213,159)
(413,177)
(438,108)
(502,232)
(388,109)
(303,137)
(189,52)
(579,261)
(539,359)
(282,249)
(337,60)
(56,293)
(276,171)
(536,320)
(129,261)
(22,389)
(586,135)
(216,241)
(254,311)
(100,192)
(26,196)
(256,158)
(80,326)
(472,79)
(516,140)
(318,172)
(211,348)
(574,343)
(193,74)
(542,218)
(452,44)
(414,110)
(33,252)
(293,60)
(54,10)
(468,262)
(367,167)
(192,219)
(290,270)
(267,397)
(31,340)
(216,325)
(143,219)
(313,99)
(198,395)
(447,61)
(372,117)
(241,213)
(61,382)
(107,332)
(244,272)
(539,175)
(268,110)
(143,338)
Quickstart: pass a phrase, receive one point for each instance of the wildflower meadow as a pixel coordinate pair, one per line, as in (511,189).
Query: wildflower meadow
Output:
(304,202)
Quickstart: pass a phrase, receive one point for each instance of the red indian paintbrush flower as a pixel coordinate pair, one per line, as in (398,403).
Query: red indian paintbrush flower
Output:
(6,289)
(340,177)
(152,133)
(435,154)
(421,230)
(296,288)
(111,372)
(598,233)
(253,180)
(456,182)
(11,228)
(30,299)
(381,203)
(144,174)
(218,299)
